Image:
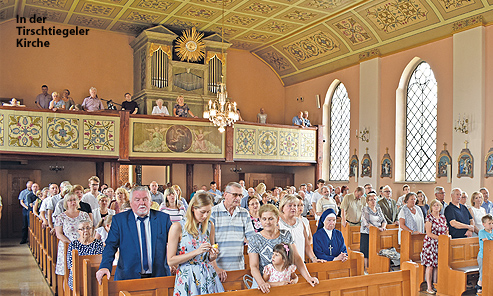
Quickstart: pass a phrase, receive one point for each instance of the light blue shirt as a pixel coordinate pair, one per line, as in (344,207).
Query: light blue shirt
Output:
(483,234)
(297,121)
(147,225)
(487,205)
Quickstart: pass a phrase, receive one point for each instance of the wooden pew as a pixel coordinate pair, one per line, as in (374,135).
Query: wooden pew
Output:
(411,246)
(81,289)
(397,283)
(381,240)
(329,270)
(487,262)
(351,236)
(456,260)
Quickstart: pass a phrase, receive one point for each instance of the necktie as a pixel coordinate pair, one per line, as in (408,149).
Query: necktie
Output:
(145,263)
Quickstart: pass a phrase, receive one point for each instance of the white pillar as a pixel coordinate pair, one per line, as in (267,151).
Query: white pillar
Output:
(369,115)
(469,100)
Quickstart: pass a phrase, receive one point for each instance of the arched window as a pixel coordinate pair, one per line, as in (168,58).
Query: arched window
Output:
(421,125)
(340,117)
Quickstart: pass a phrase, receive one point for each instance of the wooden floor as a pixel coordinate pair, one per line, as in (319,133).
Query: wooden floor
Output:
(19,273)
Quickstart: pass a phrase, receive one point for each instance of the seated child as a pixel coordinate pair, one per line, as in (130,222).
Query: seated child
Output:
(484,234)
(281,271)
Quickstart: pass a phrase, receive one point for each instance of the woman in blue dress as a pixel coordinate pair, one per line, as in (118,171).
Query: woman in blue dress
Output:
(191,248)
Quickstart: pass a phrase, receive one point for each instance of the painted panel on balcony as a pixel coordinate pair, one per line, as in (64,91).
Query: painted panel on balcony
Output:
(274,143)
(171,138)
(63,133)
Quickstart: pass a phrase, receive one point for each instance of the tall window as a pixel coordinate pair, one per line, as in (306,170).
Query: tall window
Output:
(340,116)
(421,125)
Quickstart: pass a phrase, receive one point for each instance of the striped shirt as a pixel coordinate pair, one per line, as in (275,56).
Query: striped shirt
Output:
(175,215)
(230,232)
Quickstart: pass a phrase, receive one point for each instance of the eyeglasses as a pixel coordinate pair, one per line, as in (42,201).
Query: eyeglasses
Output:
(97,184)
(387,191)
(235,194)
(85,228)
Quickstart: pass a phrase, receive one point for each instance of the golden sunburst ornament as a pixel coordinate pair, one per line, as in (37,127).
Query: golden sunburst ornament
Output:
(190,46)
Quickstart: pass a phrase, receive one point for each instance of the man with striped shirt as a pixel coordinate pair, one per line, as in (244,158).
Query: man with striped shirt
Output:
(232,225)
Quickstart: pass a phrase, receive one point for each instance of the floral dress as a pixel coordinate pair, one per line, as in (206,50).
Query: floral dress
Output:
(429,254)
(279,276)
(196,276)
(69,227)
(94,248)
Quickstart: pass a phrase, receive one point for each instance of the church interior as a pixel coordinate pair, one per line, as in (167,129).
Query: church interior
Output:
(284,56)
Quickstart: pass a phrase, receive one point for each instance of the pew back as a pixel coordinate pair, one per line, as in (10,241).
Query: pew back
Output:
(397,283)
(81,284)
(381,240)
(411,246)
(351,236)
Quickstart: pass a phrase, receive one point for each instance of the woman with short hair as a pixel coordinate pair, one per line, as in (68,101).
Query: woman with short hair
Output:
(66,225)
(253,207)
(410,216)
(371,215)
(159,109)
(290,222)
(85,245)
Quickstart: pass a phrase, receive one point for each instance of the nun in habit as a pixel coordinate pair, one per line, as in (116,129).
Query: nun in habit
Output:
(328,242)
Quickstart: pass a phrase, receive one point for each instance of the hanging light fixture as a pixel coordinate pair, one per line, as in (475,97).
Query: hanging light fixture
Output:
(222,112)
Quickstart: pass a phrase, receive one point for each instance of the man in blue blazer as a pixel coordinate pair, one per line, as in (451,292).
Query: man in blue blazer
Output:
(141,235)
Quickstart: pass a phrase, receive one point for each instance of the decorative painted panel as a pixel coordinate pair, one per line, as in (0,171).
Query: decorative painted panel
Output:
(1,129)
(60,133)
(25,131)
(267,142)
(274,143)
(99,135)
(245,141)
(288,143)
(171,138)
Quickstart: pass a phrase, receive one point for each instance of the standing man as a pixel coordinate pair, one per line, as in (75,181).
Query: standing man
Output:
(141,236)
(244,200)
(326,202)
(368,188)
(459,220)
(298,120)
(389,206)
(216,193)
(487,205)
(46,209)
(351,207)
(233,225)
(440,195)
(44,98)
(156,196)
(244,190)
(26,199)
(306,121)
(92,196)
(405,189)
(317,194)
(130,105)
(92,102)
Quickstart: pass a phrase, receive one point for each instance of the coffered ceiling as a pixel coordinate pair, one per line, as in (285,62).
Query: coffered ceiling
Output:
(298,39)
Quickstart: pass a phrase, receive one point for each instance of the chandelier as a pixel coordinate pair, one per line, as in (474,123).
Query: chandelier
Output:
(221,112)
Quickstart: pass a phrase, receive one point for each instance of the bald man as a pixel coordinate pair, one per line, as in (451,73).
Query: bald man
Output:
(459,219)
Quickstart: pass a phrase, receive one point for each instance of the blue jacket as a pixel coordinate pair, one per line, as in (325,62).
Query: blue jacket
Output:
(123,234)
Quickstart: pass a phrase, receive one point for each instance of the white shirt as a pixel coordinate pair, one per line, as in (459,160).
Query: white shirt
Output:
(147,225)
(91,200)
(163,110)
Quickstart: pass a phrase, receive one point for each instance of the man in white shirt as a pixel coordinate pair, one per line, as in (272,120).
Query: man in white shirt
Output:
(326,202)
(405,190)
(317,195)
(92,196)
(242,183)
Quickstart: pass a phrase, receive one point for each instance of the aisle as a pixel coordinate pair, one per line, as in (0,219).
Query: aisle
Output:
(19,273)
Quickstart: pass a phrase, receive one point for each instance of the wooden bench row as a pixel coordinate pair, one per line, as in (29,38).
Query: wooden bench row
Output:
(398,283)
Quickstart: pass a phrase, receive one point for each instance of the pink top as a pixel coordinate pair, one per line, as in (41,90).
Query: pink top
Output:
(279,276)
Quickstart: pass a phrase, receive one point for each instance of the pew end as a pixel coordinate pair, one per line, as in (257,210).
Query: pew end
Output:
(457,259)
(411,246)
(351,236)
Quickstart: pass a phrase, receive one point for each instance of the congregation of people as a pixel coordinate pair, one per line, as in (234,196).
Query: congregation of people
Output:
(63,101)
(149,232)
